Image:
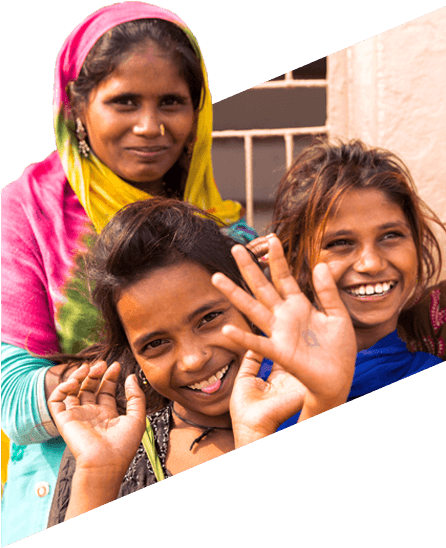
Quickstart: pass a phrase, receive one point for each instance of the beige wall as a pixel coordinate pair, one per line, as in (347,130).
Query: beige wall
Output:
(390,91)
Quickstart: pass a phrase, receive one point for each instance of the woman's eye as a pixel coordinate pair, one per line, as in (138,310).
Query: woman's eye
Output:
(337,243)
(393,235)
(155,344)
(210,317)
(124,101)
(171,101)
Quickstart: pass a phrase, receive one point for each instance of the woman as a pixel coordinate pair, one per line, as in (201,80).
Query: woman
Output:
(154,268)
(356,209)
(133,119)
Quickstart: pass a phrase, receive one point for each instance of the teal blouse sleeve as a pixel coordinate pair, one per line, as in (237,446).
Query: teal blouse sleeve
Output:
(25,415)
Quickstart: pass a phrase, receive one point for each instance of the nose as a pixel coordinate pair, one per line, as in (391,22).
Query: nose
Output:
(370,261)
(148,124)
(193,355)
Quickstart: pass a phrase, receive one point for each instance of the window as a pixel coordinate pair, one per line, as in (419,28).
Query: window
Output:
(257,133)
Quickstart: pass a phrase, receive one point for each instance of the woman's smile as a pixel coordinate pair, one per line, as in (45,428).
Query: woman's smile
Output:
(370,250)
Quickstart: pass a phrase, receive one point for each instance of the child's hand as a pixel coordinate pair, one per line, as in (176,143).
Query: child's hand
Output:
(259,247)
(84,409)
(319,348)
(259,407)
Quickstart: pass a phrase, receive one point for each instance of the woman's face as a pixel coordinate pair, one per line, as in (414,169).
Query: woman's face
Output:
(370,250)
(140,117)
(173,320)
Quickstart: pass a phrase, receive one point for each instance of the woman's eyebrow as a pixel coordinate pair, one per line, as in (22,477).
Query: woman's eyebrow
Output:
(122,95)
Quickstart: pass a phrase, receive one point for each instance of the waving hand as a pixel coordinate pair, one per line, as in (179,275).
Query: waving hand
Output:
(317,347)
(84,409)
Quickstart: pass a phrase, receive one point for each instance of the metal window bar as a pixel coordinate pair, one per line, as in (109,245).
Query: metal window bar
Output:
(287,133)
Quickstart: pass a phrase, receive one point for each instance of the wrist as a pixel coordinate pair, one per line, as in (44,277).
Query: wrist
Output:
(243,435)
(315,404)
(92,488)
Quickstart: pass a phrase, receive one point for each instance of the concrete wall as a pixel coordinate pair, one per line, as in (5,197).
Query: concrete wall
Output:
(390,91)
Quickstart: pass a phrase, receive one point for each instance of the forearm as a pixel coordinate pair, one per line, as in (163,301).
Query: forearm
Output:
(91,489)
(25,415)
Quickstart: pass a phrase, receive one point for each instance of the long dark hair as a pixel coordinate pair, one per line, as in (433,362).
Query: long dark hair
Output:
(141,237)
(111,49)
(311,188)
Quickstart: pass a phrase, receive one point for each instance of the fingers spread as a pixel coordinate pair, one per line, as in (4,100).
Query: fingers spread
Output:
(327,291)
(250,365)
(247,305)
(107,389)
(262,289)
(66,394)
(91,384)
(281,276)
(256,343)
(136,400)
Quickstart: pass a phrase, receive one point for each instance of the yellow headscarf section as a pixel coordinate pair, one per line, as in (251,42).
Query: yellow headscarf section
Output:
(102,193)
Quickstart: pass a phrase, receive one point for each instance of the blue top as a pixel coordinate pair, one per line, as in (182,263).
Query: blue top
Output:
(382,364)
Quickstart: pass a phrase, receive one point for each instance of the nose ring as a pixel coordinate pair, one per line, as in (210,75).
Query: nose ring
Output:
(162,130)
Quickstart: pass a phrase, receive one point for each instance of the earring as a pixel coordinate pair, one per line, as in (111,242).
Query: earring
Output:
(84,149)
(190,150)
(143,377)
(162,130)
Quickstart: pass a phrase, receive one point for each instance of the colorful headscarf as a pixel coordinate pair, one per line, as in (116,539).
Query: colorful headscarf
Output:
(100,191)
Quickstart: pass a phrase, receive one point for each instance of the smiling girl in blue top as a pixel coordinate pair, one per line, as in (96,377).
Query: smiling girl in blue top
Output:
(356,209)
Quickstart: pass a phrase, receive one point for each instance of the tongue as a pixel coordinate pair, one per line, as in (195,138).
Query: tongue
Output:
(212,388)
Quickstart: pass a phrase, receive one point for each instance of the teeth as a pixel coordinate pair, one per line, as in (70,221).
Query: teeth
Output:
(369,289)
(200,385)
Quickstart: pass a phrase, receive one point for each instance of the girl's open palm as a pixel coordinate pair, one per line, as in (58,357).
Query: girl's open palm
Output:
(317,347)
(84,409)
(258,407)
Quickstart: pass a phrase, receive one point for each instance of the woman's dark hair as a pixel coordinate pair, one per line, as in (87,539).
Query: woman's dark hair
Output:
(311,189)
(111,49)
(140,238)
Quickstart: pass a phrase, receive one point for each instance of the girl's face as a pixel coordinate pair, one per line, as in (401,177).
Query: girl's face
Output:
(370,250)
(173,320)
(125,111)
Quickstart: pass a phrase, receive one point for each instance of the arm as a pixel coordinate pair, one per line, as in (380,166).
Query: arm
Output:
(27,323)
(28,327)
(25,415)
(317,347)
(102,442)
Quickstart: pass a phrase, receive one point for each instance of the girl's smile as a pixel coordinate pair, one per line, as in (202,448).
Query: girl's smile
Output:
(370,250)
(173,320)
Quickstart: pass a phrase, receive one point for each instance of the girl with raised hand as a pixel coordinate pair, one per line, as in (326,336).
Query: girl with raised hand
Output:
(133,119)
(165,323)
(356,209)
